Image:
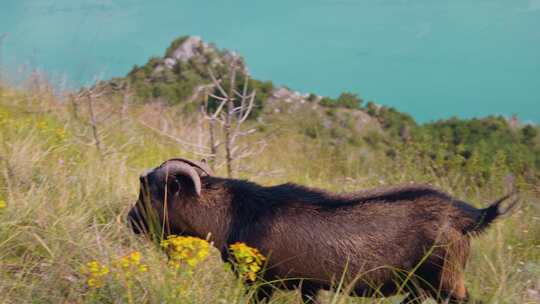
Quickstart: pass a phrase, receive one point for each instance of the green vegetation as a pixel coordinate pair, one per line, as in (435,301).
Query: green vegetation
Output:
(63,235)
(156,81)
(483,142)
(345,100)
(63,202)
(476,142)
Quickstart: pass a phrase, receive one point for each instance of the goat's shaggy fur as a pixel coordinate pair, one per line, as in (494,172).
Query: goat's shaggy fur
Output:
(412,238)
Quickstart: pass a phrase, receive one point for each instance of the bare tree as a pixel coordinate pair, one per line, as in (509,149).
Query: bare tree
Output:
(212,118)
(232,110)
(126,101)
(90,95)
(226,109)
(74,103)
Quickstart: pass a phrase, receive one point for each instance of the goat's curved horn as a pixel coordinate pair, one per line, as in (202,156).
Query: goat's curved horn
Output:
(175,168)
(201,165)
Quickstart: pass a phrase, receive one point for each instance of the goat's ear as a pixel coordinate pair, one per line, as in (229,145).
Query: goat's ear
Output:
(182,177)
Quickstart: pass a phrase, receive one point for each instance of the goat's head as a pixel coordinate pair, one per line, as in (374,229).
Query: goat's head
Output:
(163,190)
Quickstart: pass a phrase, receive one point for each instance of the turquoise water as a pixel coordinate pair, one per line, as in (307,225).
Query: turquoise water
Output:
(431,58)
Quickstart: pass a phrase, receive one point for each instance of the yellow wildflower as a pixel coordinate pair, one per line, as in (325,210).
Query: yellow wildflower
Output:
(185,250)
(248,260)
(130,264)
(143,268)
(42,125)
(4,116)
(95,273)
(3,204)
(60,133)
(92,283)
(135,257)
(123,262)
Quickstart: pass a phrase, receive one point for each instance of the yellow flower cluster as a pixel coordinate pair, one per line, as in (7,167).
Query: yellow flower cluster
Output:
(248,260)
(60,133)
(185,250)
(95,273)
(128,265)
(124,268)
(3,204)
(42,125)
(6,121)
(48,128)
(4,116)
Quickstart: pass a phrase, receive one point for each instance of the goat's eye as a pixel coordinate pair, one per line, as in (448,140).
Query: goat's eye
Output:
(175,186)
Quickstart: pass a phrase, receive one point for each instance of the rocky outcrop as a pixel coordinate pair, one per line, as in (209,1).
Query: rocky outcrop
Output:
(193,47)
(284,101)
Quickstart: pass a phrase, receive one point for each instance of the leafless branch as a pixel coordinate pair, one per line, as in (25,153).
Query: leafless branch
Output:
(217,83)
(93,123)
(233,110)
(125,104)
(218,97)
(190,146)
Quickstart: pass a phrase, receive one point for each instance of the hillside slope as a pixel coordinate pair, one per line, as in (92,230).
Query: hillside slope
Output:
(180,77)
(63,200)
(69,172)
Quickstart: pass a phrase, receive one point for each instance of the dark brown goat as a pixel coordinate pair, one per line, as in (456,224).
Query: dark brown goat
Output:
(412,239)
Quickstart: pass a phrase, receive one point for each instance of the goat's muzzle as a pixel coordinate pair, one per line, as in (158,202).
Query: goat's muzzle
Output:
(136,221)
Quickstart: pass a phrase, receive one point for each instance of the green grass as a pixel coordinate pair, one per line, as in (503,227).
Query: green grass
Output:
(66,205)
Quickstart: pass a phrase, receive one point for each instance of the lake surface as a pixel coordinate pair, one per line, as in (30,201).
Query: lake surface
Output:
(431,58)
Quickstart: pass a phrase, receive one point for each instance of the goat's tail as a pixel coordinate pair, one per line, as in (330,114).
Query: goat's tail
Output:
(487,215)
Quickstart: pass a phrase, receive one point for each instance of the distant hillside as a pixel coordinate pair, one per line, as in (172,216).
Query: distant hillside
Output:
(179,77)
(183,71)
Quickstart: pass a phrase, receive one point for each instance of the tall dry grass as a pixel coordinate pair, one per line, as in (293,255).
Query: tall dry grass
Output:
(66,205)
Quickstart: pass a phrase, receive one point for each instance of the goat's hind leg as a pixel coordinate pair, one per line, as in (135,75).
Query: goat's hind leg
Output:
(451,279)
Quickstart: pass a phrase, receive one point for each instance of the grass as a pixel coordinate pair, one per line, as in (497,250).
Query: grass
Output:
(66,206)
